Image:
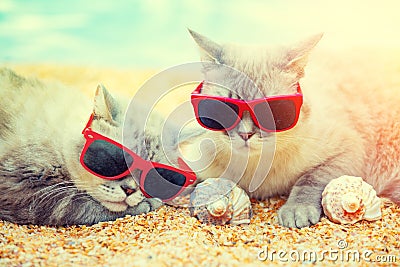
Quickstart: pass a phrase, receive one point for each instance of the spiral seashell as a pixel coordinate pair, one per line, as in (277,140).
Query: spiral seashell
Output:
(220,201)
(351,202)
(219,207)
(349,199)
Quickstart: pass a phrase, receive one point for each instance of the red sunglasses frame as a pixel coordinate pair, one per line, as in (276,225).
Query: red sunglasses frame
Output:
(243,105)
(138,162)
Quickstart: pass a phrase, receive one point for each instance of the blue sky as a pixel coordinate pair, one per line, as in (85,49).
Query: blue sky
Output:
(123,33)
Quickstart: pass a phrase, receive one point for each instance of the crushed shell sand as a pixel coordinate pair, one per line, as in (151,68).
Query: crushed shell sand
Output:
(170,237)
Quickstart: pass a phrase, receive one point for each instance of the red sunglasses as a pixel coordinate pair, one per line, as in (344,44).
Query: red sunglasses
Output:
(270,114)
(108,159)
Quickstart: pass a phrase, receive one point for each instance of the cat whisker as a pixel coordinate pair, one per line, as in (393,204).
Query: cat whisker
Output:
(288,139)
(56,195)
(52,193)
(79,182)
(91,193)
(49,195)
(77,197)
(49,188)
(62,199)
(299,137)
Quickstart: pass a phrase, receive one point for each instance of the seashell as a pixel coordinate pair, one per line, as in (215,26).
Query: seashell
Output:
(220,201)
(349,199)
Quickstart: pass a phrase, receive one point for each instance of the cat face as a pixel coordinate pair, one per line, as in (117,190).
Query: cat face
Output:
(256,72)
(115,195)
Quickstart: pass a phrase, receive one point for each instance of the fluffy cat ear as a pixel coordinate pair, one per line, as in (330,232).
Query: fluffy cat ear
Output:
(105,106)
(210,51)
(297,55)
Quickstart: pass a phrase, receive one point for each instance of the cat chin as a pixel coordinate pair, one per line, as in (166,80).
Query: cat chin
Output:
(242,146)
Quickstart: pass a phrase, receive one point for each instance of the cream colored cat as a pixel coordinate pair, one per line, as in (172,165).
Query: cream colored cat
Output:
(349,124)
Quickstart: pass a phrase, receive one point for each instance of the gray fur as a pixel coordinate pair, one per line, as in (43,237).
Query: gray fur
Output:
(41,179)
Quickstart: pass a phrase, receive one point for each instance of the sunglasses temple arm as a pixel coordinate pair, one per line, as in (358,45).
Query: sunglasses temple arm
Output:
(183,166)
(299,89)
(89,123)
(198,88)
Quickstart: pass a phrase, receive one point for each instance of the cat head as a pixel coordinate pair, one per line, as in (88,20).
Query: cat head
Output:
(256,72)
(108,120)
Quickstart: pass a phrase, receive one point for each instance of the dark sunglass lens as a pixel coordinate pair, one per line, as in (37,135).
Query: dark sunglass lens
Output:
(216,114)
(276,115)
(163,183)
(107,159)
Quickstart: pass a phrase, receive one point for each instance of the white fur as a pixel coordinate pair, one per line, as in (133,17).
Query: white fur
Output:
(347,110)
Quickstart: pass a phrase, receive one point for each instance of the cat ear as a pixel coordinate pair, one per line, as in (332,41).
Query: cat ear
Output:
(297,55)
(210,51)
(105,106)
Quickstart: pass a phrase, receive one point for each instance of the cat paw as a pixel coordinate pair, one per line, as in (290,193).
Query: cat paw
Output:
(155,203)
(296,215)
(147,205)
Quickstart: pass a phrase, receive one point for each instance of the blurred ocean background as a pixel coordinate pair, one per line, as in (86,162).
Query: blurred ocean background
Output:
(135,33)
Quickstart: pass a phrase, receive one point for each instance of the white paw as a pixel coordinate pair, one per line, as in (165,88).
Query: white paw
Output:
(135,198)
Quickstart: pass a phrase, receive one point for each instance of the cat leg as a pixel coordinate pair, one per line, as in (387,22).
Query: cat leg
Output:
(391,191)
(303,207)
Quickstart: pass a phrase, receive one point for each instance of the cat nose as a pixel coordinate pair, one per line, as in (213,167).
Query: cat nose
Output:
(128,189)
(246,136)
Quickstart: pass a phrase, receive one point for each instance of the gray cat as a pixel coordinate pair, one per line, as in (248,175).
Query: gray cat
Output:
(41,178)
(348,125)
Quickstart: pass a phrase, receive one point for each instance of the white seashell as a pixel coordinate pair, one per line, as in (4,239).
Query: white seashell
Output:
(219,207)
(349,199)
(242,211)
(372,203)
(351,202)
(220,201)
